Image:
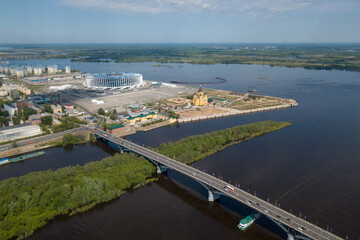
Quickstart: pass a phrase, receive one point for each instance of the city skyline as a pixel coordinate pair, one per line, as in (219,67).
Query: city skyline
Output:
(169,21)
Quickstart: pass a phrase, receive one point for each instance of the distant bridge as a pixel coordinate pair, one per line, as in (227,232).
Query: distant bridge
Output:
(217,187)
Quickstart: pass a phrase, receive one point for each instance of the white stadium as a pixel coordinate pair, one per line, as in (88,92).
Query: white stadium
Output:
(114,80)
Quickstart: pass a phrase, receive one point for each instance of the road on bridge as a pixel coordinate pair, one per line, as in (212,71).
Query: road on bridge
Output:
(41,138)
(268,209)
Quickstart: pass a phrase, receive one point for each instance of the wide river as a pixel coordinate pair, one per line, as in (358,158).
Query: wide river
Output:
(311,168)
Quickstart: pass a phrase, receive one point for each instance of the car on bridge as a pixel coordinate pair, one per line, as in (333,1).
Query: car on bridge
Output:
(228,187)
(301,228)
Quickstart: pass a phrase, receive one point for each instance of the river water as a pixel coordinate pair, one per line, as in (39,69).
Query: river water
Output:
(311,168)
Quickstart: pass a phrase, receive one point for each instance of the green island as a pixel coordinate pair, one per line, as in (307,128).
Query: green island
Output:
(30,201)
(195,148)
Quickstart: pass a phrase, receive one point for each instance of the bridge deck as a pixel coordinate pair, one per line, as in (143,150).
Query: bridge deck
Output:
(274,212)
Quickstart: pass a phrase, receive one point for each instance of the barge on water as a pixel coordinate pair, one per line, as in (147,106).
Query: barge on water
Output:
(21,158)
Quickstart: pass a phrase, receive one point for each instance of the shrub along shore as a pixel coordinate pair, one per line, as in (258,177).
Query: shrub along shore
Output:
(30,201)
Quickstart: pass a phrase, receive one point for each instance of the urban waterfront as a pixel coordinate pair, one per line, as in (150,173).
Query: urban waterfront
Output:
(310,167)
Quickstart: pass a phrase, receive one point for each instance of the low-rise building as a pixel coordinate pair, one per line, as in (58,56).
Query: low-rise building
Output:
(38,110)
(36,118)
(56,108)
(15,94)
(10,109)
(141,118)
(18,131)
(69,107)
(116,129)
(3,93)
(58,115)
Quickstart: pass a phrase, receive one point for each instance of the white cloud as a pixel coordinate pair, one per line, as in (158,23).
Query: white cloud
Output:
(250,7)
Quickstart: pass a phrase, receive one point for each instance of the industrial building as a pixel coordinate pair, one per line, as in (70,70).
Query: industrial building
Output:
(114,80)
(15,132)
(39,98)
(55,98)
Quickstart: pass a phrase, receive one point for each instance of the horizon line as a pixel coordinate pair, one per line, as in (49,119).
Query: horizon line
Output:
(183,43)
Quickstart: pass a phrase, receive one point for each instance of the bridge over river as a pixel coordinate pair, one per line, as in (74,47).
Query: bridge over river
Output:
(217,187)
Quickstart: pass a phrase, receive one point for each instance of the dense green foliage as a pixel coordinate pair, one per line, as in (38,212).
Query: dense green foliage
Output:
(172,114)
(153,122)
(47,120)
(67,123)
(18,115)
(101,111)
(4,118)
(26,112)
(48,109)
(71,139)
(28,202)
(197,147)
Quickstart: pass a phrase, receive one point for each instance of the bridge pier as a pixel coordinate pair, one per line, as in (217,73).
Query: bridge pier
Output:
(290,236)
(212,195)
(161,168)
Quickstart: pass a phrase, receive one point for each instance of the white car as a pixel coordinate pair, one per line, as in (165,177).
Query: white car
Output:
(266,211)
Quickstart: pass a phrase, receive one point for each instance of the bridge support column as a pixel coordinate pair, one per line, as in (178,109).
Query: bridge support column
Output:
(161,168)
(290,236)
(212,196)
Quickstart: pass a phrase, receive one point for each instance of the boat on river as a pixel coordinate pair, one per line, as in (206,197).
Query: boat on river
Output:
(246,222)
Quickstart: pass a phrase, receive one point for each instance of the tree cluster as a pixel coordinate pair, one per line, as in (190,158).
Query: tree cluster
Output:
(68,123)
(28,202)
(197,147)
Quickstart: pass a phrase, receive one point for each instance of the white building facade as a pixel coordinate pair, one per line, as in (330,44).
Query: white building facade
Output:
(15,132)
(114,80)
(10,109)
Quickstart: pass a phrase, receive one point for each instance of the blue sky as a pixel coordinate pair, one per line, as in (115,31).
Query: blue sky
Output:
(179,21)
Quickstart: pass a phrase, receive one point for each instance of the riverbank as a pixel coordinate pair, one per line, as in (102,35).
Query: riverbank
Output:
(233,112)
(56,140)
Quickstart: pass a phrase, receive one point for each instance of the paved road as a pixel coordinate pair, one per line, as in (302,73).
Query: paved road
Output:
(286,218)
(41,138)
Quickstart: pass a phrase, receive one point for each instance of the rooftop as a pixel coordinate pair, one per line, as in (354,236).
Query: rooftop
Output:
(116,126)
(141,115)
(114,75)
(18,128)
